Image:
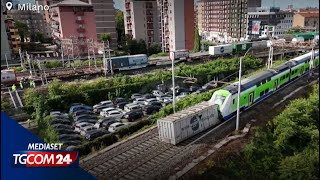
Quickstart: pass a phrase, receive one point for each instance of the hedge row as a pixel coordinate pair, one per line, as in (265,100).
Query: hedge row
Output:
(109,139)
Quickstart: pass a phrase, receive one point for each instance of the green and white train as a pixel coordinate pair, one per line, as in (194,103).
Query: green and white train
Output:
(260,86)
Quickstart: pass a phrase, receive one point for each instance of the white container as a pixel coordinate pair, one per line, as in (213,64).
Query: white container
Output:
(138,59)
(220,50)
(187,123)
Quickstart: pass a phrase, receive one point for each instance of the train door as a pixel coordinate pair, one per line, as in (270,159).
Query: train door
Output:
(251,98)
(276,84)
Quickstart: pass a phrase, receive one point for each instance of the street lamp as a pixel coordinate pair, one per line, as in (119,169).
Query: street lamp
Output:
(239,89)
(172,54)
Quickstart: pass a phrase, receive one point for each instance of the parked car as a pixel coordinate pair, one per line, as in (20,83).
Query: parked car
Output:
(193,88)
(133,115)
(136,95)
(115,127)
(115,114)
(99,123)
(91,121)
(151,109)
(157,93)
(106,124)
(85,116)
(99,109)
(71,142)
(182,90)
(91,135)
(199,91)
(121,105)
(56,126)
(59,121)
(79,107)
(180,97)
(65,131)
(155,103)
(165,96)
(184,93)
(209,85)
(69,137)
(118,100)
(81,125)
(86,129)
(149,96)
(130,107)
(139,101)
(104,112)
(83,112)
(58,114)
(148,101)
(103,103)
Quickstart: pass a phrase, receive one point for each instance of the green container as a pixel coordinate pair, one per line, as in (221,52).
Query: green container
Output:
(306,36)
(241,47)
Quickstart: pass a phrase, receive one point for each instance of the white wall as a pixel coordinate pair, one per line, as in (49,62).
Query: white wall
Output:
(176,24)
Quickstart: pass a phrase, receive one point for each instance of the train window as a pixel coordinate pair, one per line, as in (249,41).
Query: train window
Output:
(269,79)
(261,93)
(5,78)
(233,101)
(287,75)
(266,91)
(8,77)
(292,72)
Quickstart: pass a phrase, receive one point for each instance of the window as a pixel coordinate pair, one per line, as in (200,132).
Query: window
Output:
(261,93)
(233,101)
(266,91)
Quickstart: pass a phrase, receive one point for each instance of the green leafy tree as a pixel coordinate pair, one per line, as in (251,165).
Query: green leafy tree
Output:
(105,37)
(154,49)
(39,37)
(296,29)
(23,30)
(120,27)
(196,47)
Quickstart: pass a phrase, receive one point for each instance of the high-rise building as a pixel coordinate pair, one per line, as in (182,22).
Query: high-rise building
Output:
(224,19)
(5,47)
(104,17)
(141,20)
(177,24)
(74,19)
(13,35)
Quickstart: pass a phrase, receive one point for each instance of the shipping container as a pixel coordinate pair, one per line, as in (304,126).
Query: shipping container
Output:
(241,47)
(138,59)
(182,125)
(120,62)
(260,44)
(220,50)
(305,36)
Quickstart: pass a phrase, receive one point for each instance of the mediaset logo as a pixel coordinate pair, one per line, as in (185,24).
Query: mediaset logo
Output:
(44,155)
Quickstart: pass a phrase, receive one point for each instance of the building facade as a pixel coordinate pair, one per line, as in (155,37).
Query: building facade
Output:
(263,22)
(176,24)
(104,17)
(13,36)
(34,20)
(141,20)
(225,20)
(5,47)
(307,18)
(73,20)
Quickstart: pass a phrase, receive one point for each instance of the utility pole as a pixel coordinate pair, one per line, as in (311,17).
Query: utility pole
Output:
(5,55)
(172,54)
(107,62)
(239,91)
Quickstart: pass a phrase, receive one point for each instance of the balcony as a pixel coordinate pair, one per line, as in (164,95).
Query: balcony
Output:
(80,21)
(56,27)
(81,30)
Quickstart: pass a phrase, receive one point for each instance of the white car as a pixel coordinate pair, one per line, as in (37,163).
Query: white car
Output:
(181,96)
(130,107)
(157,93)
(103,103)
(115,126)
(148,101)
(81,125)
(115,114)
(86,129)
(163,97)
(104,112)
(139,101)
(136,95)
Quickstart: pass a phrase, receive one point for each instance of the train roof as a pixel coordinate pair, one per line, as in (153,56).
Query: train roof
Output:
(249,82)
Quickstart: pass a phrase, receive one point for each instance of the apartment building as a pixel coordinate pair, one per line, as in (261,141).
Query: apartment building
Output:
(307,18)
(141,20)
(5,47)
(225,20)
(176,24)
(74,19)
(13,36)
(104,17)
(272,21)
(34,20)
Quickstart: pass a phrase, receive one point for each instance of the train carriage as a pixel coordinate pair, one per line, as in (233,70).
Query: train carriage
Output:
(8,77)
(260,86)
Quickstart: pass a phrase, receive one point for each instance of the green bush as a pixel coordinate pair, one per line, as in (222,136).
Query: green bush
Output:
(159,55)
(53,64)
(127,131)
(97,144)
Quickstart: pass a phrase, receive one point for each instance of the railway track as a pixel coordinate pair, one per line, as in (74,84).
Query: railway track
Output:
(145,157)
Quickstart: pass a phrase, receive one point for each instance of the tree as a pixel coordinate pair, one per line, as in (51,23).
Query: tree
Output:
(120,27)
(105,37)
(142,47)
(23,30)
(196,47)
(39,37)
(296,29)
(154,49)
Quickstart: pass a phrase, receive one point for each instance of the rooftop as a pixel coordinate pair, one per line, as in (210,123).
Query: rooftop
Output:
(71,3)
(309,14)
